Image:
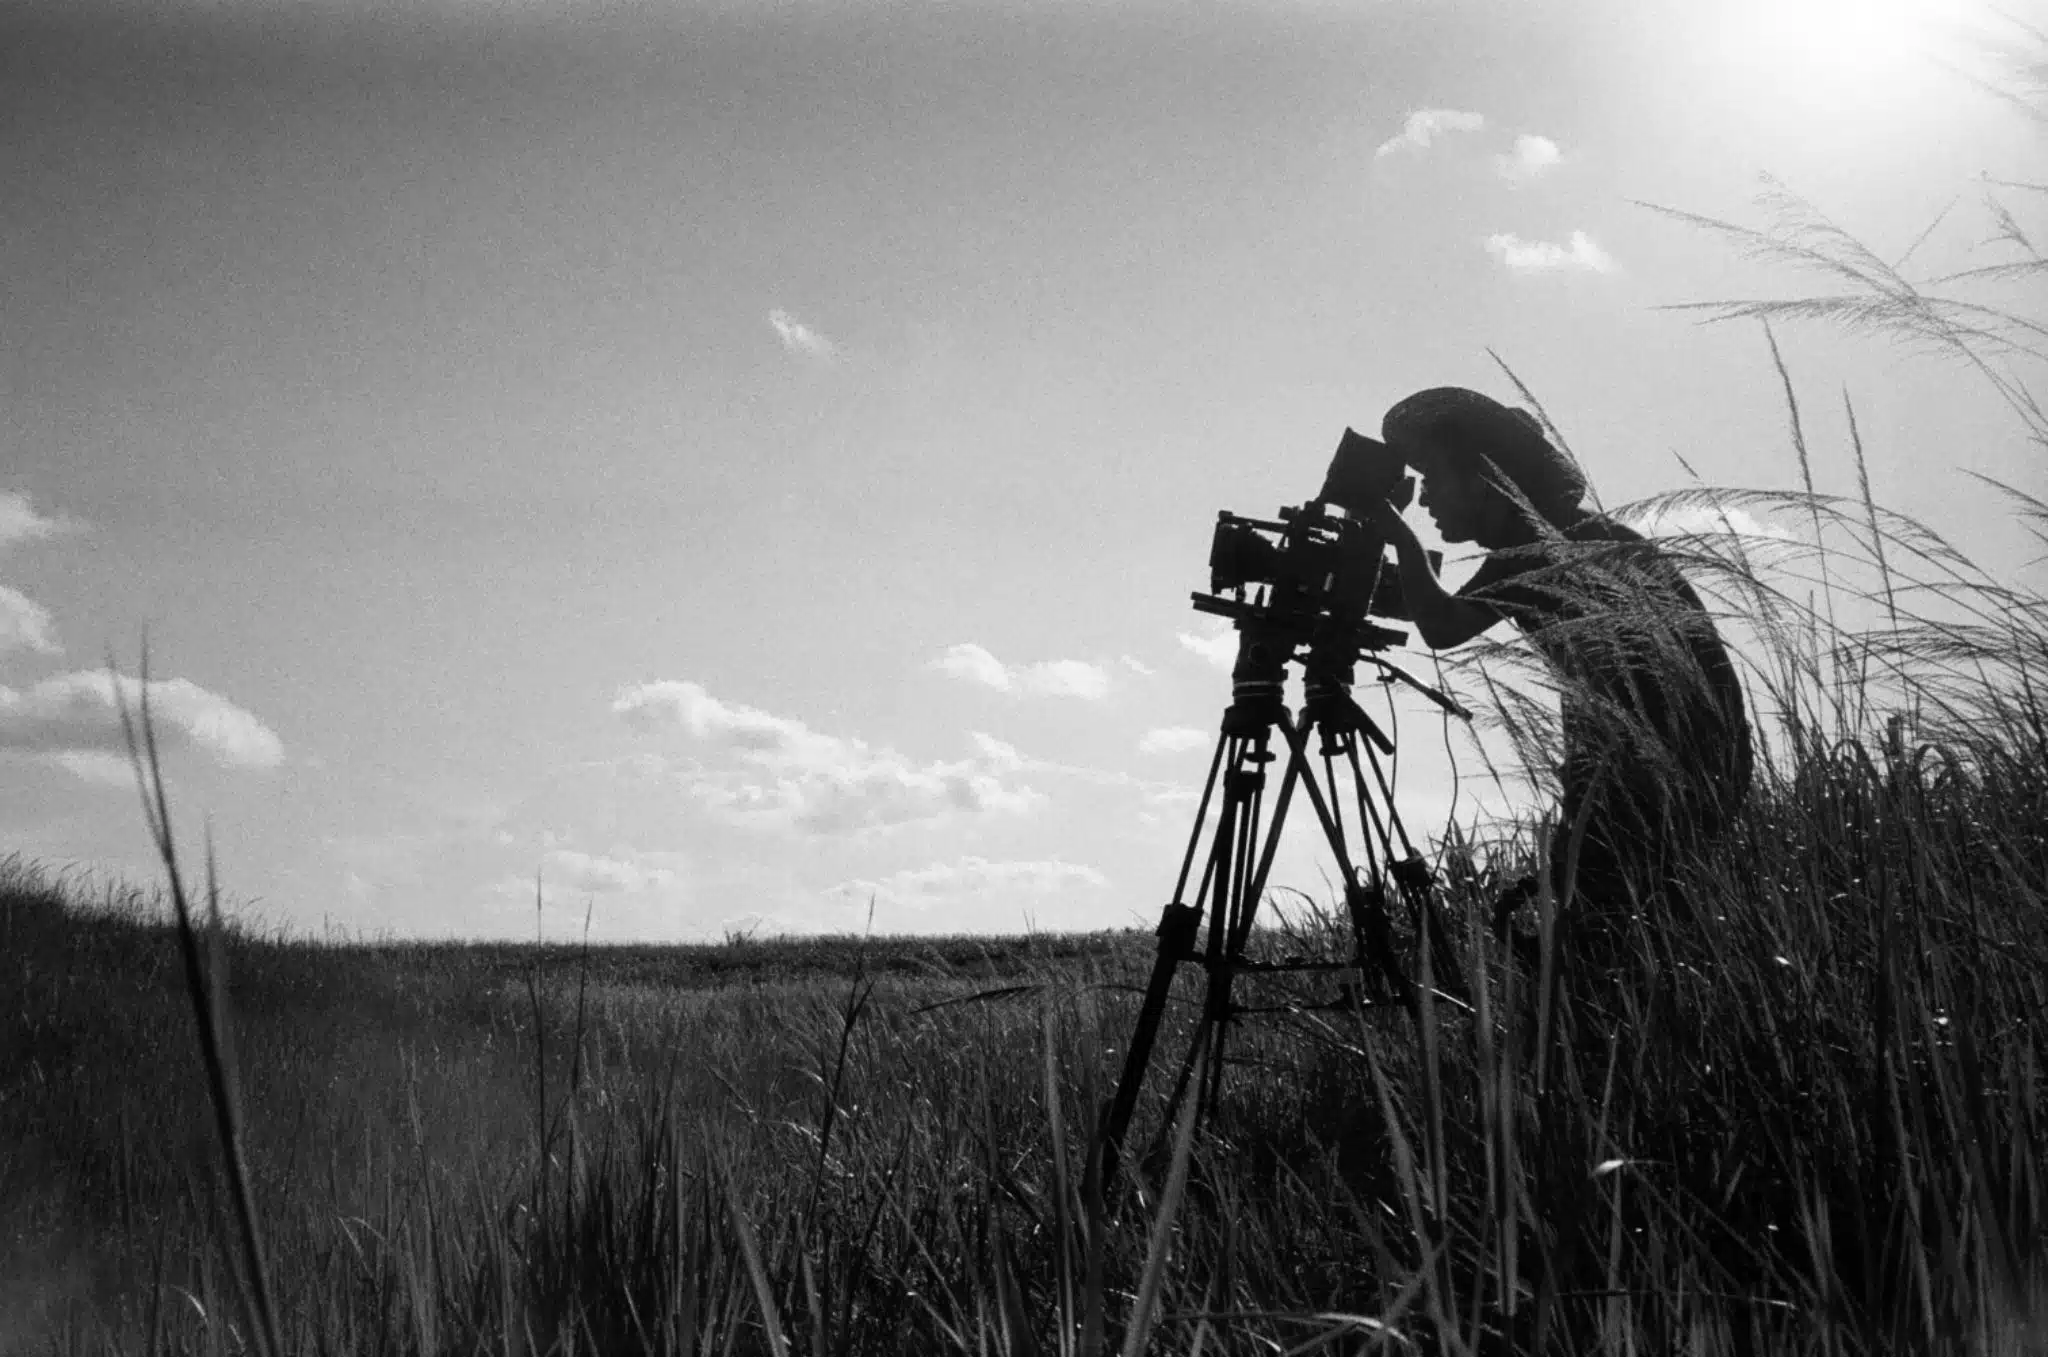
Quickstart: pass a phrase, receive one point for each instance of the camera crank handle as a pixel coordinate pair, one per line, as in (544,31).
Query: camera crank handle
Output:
(1442,699)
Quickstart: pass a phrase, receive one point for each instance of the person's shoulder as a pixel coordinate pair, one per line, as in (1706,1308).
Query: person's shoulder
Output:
(1552,550)
(1598,527)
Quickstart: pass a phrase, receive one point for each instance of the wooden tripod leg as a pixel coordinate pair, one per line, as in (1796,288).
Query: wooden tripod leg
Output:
(1177,929)
(1413,877)
(1367,906)
(1222,888)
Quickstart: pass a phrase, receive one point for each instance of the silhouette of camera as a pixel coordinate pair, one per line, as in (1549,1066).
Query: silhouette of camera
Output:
(1320,560)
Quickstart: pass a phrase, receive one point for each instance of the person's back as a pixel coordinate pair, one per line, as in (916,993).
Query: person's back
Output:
(1654,732)
(1639,660)
(1655,740)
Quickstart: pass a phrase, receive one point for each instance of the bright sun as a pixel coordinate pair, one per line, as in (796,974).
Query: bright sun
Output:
(1853,55)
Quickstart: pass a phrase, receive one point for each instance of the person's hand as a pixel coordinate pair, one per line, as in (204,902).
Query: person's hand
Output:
(1382,517)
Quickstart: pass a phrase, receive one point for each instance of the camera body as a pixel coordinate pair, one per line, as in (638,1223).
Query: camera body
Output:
(1364,471)
(1320,566)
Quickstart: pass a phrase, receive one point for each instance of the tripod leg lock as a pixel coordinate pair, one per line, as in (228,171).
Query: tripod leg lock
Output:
(1411,874)
(1366,903)
(1178,927)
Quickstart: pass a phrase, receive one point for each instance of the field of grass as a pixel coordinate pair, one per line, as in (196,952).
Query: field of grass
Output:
(391,1091)
(1807,1118)
(1807,1115)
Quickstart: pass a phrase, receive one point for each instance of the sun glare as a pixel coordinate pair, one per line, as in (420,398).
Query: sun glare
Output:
(1844,39)
(1855,57)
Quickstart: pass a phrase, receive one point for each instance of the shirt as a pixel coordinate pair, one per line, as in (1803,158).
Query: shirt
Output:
(1642,669)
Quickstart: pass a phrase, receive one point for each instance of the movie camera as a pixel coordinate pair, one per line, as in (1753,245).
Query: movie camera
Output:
(1320,565)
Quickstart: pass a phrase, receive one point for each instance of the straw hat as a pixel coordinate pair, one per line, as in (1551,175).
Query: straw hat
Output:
(1452,421)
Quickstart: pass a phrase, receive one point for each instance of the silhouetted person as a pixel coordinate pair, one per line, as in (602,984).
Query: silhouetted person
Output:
(1655,742)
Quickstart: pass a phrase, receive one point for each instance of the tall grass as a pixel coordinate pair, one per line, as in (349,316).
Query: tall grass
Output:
(1809,1123)
(1805,1119)
(1806,1115)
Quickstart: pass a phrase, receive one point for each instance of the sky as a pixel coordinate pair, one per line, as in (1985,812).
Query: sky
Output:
(743,465)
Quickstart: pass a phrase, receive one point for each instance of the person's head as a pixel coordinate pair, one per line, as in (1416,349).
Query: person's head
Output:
(1464,445)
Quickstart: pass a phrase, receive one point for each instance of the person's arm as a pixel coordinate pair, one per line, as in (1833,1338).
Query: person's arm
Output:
(1441,618)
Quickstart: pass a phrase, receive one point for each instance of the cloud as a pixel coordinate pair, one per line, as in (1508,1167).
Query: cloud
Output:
(1701,520)
(1049,678)
(1174,740)
(873,790)
(585,873)
(1532,156)
(1137,666)
(1168,801)
(669,704)
(801,339)
(25,624)
(976,665)
(1064,678)
(999,753)
(969,876)
(97,767)
(19,522)
(373,863)
(72,714)
(1219,649)
(1423,125)
(619,888)
(1535,256)
(783,774)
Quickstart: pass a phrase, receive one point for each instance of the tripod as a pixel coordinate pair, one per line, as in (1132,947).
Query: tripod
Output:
(1239,861)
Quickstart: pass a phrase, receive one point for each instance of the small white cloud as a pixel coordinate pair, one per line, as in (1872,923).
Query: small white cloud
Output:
(1424,125)
(568,877)
(1065,678)
(96,766)
(998,752)
(1537,256)
(1173,740)
(79,713)
(801,339)
(973,663)
(1138,666)
(672,705)
(876,790)
(1049,678)
(1165,800)
(25,624)
(19,522)
(389,861)
(1219,649)
(790,776)
(587,873)
(971,876)
(1532,156)
(1703,521)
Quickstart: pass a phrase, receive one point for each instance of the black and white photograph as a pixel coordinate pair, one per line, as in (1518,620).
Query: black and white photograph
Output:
(1042,678)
